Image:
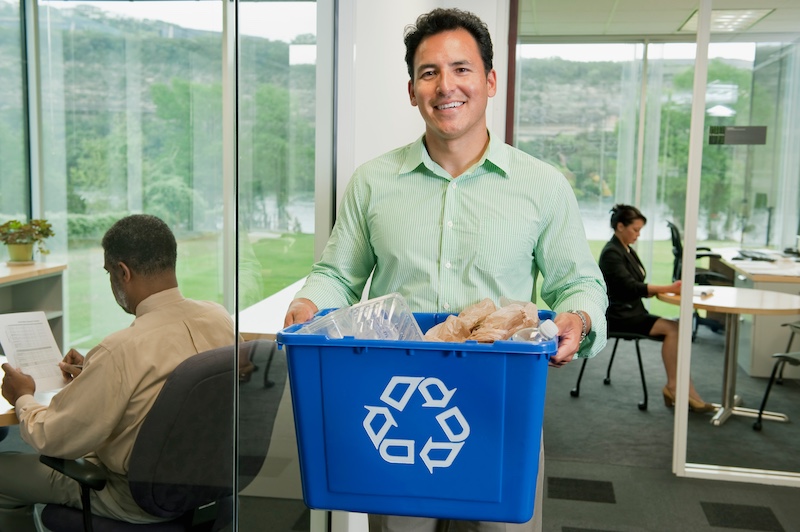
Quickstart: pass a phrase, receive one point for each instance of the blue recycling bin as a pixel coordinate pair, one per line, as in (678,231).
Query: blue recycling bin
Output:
(427,429)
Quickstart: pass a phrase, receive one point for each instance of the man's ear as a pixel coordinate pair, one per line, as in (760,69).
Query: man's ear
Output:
(491,83)
(126,272)
(411,94)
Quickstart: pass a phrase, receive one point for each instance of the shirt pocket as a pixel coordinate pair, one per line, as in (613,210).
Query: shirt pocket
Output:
(499,249)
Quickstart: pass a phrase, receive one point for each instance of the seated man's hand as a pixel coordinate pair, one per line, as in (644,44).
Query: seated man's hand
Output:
(16,384)
(300,311)
(69,366)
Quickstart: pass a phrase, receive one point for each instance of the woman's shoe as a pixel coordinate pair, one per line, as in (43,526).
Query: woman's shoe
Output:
(700,406)
(669,399)
(694,404)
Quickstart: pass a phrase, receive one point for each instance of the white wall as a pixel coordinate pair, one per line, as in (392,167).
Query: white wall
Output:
(374,112)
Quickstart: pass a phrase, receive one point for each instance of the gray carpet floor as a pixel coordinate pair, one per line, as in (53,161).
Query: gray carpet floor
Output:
(616,460)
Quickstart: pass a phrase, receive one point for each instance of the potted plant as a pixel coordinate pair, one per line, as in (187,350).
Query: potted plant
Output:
(20,238)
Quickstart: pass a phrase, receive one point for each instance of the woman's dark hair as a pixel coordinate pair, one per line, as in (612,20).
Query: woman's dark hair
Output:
(625,214)
(441,20)
(144,242)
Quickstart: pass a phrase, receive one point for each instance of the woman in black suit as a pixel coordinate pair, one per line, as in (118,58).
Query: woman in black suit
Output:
(625,281)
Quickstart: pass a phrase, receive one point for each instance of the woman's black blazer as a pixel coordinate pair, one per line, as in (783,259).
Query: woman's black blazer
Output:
(624,275)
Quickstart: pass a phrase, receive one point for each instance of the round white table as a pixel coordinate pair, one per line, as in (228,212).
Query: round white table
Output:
(732,302)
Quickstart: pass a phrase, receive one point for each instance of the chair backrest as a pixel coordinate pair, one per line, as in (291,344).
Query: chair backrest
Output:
(677,251)
(183,455)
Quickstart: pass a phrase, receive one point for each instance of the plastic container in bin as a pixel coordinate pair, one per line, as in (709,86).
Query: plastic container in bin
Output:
(382,318)
(428,429)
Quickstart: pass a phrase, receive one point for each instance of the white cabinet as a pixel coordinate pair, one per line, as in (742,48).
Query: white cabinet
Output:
(39,286)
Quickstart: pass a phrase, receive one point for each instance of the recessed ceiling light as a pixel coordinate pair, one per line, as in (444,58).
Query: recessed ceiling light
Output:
(727,20)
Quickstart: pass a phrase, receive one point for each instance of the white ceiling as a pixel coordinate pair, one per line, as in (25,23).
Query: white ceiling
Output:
(603,19)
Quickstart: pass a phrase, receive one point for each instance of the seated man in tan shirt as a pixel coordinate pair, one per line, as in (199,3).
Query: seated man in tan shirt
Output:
(98,414)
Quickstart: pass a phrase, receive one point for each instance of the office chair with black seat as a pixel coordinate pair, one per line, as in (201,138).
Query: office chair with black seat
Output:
(182,463)
(617,336)
(702,276)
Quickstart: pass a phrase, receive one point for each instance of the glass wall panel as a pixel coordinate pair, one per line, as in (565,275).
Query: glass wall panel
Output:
(15,192)
(277,107)
(132,122)
(577,108)
(748,200)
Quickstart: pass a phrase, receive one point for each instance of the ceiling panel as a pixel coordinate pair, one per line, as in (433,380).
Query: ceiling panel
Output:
(608,18)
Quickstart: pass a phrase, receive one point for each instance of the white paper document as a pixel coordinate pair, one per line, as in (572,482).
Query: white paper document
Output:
(30,347)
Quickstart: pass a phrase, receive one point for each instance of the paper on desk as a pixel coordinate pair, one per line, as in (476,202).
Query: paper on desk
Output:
(703,292)
(30,346)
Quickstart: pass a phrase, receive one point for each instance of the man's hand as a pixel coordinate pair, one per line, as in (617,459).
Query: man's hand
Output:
(569,332)
(69,366)
(300,311)
(16,384)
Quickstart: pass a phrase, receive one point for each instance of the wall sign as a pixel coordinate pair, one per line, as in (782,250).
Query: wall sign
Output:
(737,134)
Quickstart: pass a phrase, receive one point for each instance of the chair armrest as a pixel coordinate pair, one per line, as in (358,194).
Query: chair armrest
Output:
(707,254)
(81,470)
(706,276)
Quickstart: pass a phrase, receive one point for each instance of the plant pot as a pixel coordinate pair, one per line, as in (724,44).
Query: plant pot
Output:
(20,252)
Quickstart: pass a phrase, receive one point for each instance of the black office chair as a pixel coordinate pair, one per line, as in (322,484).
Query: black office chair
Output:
(781,359)
(702,276)
(182,459)
(617,336)
(794,327)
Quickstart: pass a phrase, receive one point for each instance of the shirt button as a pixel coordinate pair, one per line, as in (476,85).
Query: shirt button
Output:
(446,306)
(454,185)
(447,265)
(450,223)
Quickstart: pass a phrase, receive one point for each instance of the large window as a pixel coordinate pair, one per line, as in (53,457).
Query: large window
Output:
(277,116)
(14,193)
(579,108)
(615,119)
(132,102)
(131,122)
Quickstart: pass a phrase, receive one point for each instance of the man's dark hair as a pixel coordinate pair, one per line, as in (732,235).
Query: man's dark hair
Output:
(440,20)
(626,215)
(143,242)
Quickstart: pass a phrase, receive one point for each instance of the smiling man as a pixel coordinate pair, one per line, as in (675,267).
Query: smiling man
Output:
(458,216)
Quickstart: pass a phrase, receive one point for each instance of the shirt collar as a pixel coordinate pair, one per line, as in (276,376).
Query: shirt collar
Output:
(152,302)
(495,155)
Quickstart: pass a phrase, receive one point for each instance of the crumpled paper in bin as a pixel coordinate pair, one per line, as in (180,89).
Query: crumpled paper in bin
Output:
(484,322)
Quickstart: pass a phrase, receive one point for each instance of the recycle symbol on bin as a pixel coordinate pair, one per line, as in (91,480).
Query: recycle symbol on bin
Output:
(403,451)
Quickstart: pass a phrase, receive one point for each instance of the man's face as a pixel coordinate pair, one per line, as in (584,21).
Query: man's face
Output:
(450,86)
(114,276)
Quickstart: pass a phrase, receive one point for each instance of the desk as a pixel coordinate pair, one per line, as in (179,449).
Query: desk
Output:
(35,287)
(265,318)
(733,301)
(761,335)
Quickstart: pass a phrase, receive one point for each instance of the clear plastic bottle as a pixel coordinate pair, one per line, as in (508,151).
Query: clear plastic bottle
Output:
(547,330)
